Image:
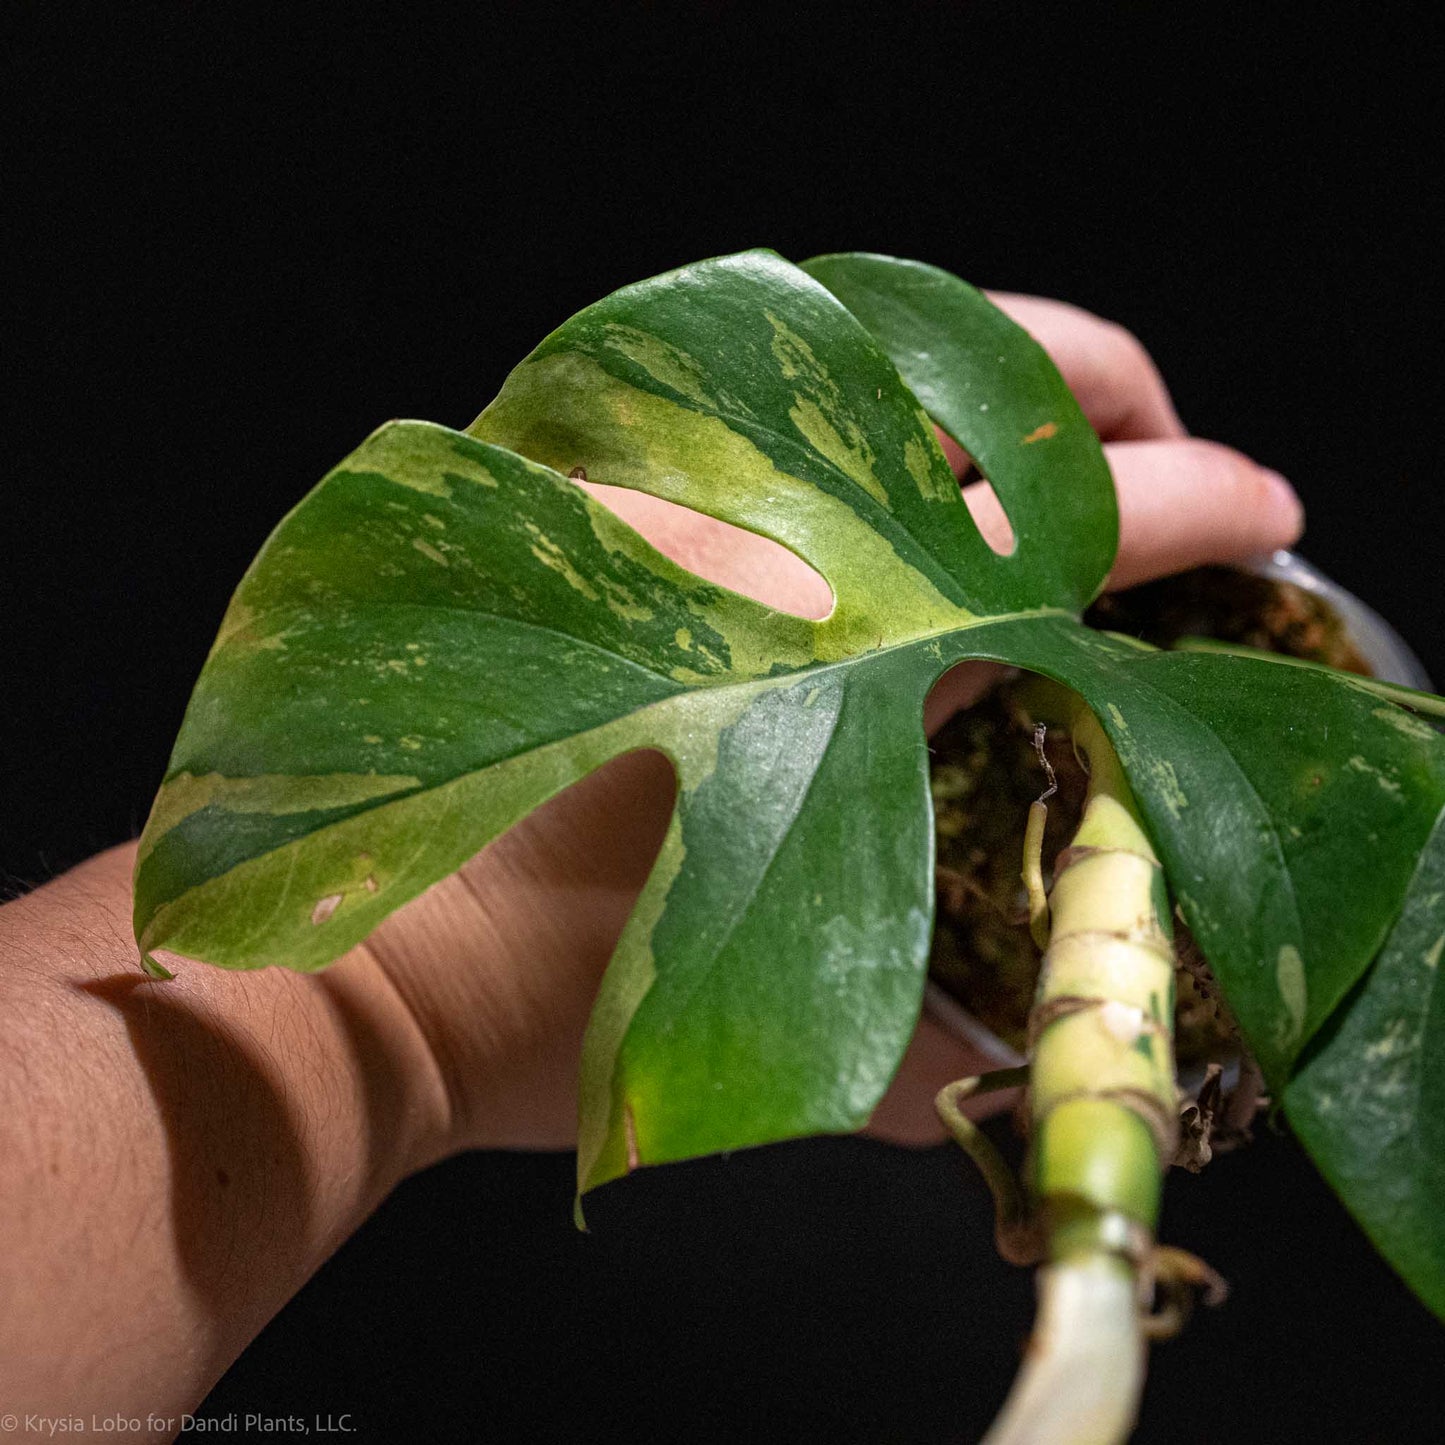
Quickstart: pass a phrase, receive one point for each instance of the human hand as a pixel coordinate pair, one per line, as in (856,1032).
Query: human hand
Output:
(500,963)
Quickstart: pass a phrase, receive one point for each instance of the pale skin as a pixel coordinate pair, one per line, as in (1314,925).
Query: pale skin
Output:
(180,1157)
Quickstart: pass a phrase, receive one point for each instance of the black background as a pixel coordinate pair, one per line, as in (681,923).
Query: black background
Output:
(239,244)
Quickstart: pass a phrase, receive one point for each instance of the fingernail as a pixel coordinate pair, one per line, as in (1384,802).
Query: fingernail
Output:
(1286,499)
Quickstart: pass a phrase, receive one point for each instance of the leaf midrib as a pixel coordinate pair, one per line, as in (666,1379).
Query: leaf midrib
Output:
(1275,842)
(742,906)
(816,626)
(777,680)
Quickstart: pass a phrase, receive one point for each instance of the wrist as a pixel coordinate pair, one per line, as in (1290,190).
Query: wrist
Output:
(338,1049)
(184,1155)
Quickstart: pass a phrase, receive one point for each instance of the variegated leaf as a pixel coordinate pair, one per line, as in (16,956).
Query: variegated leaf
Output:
(447,631)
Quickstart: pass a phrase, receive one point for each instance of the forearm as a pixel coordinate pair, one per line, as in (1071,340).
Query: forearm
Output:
(178,1157)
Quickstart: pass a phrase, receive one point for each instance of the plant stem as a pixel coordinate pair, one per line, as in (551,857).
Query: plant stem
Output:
(1105,1118)
(1085,1368)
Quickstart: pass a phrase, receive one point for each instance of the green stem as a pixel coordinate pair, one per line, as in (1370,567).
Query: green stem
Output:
(1105,1117)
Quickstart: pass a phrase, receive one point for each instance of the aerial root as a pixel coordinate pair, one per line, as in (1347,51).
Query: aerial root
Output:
(1033,869)
(1176,1276)
(1018,1237)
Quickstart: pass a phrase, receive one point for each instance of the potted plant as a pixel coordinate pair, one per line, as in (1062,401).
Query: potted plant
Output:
(448,631)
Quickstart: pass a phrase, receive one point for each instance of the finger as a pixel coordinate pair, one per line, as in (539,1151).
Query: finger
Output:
(1182,503)
(905,1114)
(1106,366)
(719,552)
(1189,503)
(958,688)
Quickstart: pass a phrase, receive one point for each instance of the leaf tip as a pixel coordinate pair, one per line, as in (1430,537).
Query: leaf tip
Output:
(152,968)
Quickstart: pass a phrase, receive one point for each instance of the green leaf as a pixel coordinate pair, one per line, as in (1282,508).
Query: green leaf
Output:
(447,631)
(1003,401)
(1244,768)
(742,389)
(431,643)
(443,634)
(1369,1103)
(1289,807)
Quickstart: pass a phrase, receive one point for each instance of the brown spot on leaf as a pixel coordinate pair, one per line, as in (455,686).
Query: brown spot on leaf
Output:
(1040,434)
(371,884)
(325,907)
